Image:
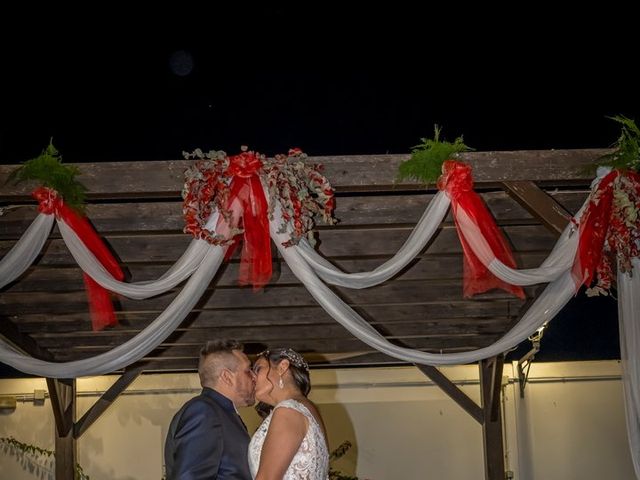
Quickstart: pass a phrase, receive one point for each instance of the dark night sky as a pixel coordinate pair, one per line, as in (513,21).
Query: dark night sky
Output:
(331,82)
(327,82)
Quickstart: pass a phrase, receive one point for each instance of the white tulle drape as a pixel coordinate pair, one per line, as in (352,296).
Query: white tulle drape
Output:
(137,347)
(308,264)
(629,319)
(548,304)
(201,261)
(179,271)
(418,239)
(25,251)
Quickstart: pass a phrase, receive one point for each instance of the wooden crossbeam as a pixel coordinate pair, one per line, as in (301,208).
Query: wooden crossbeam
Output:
(457,395)
(105,401)
(542,206)
(347,173)
(24,342)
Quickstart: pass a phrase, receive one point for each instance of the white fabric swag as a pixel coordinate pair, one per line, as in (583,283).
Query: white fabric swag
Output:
(202,260)
(307,265)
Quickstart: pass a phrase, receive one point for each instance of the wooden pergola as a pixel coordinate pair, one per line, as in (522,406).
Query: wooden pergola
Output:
(136,207)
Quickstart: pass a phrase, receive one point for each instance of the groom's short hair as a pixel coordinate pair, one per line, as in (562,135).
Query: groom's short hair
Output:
(215,356)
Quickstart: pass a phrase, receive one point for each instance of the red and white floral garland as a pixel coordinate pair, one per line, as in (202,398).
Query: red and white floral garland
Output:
(609,232)
(300,188)
(216,181)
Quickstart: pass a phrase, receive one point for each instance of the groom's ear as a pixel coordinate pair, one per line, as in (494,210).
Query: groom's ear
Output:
(226,377)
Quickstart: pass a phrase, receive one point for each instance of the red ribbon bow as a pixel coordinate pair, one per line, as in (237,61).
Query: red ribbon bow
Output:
(457,181)
(100,305)
(246,188)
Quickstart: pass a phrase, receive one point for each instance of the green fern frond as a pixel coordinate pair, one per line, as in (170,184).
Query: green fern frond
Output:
(627,148)
(427,158)
(48,169)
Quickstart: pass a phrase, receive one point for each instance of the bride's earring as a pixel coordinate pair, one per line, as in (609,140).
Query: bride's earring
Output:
(280,383)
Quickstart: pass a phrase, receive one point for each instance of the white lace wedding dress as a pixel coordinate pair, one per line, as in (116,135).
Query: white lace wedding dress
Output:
(311,461)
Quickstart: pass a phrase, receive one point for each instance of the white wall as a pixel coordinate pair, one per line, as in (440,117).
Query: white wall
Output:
(569,426)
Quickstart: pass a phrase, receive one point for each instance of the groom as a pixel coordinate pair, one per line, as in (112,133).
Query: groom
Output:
(207,438)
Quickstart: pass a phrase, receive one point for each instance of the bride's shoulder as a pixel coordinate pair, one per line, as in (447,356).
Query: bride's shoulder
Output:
(296,405)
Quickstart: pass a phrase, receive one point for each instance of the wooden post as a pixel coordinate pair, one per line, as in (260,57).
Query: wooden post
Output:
(63,402)
(491,388)
(66,456)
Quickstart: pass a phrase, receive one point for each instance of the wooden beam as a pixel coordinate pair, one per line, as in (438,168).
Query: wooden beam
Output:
(105,401)
(346,243)
(448,387)
(491,387)
(539,204)
(174,349)
(63,401)
(163,179)
(24,342)
(141,216)
(431,314)
(193,335)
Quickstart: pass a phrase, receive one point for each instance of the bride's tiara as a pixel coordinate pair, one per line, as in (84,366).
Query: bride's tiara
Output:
(294,357)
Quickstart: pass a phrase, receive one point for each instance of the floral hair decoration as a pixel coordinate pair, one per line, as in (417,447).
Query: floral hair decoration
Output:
(294,357)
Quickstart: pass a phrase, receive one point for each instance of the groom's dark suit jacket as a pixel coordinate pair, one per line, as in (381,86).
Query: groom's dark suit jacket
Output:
(207,440)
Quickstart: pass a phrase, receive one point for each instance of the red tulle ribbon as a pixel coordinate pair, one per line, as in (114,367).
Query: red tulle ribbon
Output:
(100,305)
(246,188)
(594,225)
(457,181)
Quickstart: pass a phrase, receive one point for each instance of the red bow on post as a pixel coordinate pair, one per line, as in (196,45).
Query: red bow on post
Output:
(457,181)
(100,305)
(246,188)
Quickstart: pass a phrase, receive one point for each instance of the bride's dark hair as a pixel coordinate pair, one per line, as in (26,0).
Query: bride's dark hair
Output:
(263,409)
(297,365)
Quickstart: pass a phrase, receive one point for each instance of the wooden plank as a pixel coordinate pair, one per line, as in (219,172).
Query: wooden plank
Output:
(397,293)
(490,386)
(346,243)
(165,178)
(325,345)
(400,326)
(350,211)
(10,331)
(425,267)
(542,206)
(397,330)
(105,401)
(457,395)
(431,314)
(315,359)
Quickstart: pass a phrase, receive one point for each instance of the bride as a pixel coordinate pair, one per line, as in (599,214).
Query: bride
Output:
(290,444)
